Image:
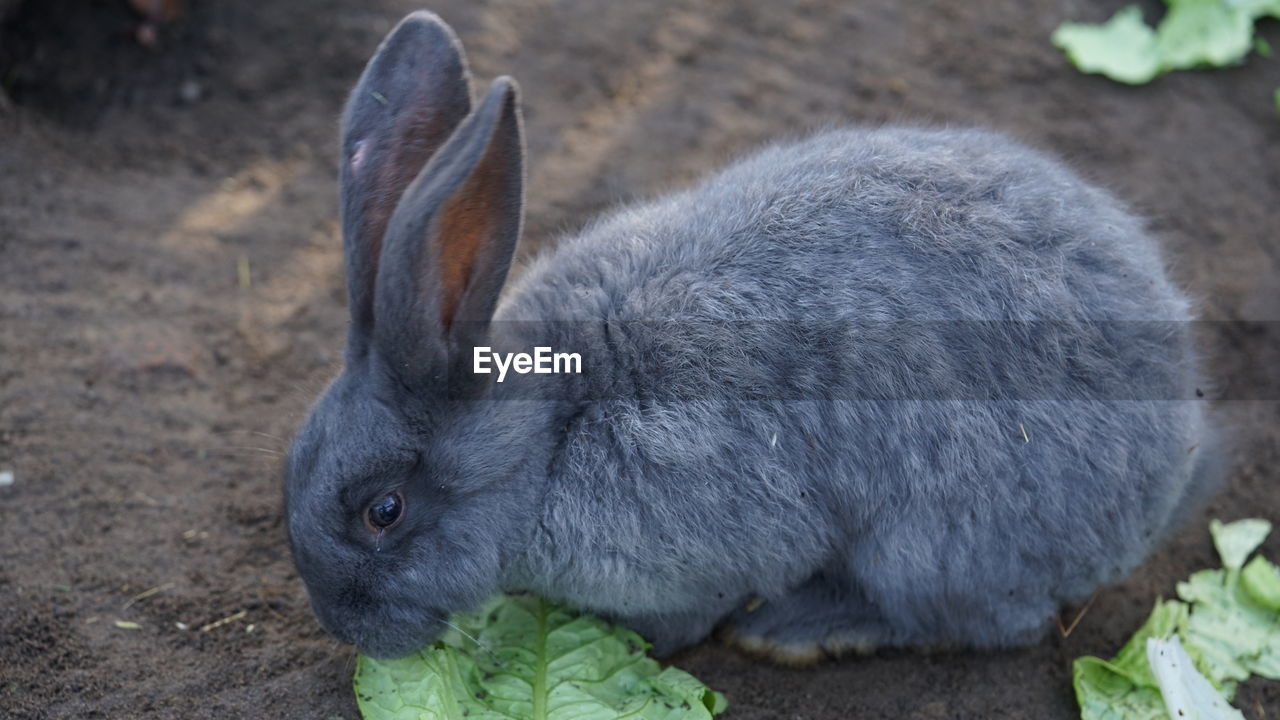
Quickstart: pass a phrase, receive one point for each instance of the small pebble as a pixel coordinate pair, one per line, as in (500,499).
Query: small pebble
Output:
(146,35)
(6,478)
(190,91)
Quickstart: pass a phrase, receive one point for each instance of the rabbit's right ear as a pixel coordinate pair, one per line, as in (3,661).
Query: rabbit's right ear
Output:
(412,95)
(449,247)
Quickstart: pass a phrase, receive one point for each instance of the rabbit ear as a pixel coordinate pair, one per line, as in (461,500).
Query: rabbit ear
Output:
(413,94)
(450,242)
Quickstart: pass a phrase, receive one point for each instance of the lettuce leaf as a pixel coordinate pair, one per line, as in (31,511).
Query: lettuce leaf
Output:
(1125,687)
(1124,48)
(1226,623)
(1236,541)
(1187,694)
(531,659)
(1106,694)
(1204,33)
(1192,34)
(1261,580)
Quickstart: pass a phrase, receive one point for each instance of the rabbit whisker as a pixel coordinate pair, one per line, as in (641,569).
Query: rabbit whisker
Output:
(268,451)
(247,431)
(493,656)
(268,436)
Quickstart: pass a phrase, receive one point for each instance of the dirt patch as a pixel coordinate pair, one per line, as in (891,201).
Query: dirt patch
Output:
(171,300)
(75,59)
(44,654)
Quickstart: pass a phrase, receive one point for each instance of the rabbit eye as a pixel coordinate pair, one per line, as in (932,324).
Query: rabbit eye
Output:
(385,511)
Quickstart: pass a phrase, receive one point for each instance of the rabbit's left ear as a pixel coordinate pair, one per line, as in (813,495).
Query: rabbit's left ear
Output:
(450,242)
(413,94)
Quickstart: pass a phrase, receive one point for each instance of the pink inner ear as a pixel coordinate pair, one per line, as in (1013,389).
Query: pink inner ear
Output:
(358,157)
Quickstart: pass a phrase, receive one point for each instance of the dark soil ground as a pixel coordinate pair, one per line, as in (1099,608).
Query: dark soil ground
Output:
(171,299)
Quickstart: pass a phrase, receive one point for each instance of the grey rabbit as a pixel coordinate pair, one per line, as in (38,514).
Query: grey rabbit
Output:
(874,388)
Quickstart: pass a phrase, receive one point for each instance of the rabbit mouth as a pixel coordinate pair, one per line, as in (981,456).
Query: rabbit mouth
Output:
(379,636)
(395,643)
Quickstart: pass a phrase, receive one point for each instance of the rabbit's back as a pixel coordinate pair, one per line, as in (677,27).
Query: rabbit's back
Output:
(937,361)
(927,224)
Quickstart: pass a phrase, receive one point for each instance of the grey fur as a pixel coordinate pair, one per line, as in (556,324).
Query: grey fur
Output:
(777,405)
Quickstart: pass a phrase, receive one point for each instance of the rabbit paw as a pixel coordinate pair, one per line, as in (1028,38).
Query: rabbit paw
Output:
(814,623)
(672,632)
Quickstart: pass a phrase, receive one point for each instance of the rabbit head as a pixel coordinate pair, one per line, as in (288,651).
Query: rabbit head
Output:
(396,494)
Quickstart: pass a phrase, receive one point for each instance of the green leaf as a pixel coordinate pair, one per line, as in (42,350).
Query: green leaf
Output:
(1235,623)
(1261,581)
(1235,541)
(1186,693)
(1198,33)
(1106,693)
(1227,625)
(1257,8)
(1124,48)
(1192,34)
(1125,686)
(1235,635)
(531,659)
(1168,618)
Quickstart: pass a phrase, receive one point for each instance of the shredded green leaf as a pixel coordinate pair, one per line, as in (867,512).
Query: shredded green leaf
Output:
(1187,694)
(1235,542)
(1107,694)
(534,660)
(1227,621)
(1204,33)
(1125,687)
(1124,48)
(1261,580)
(1192,34)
